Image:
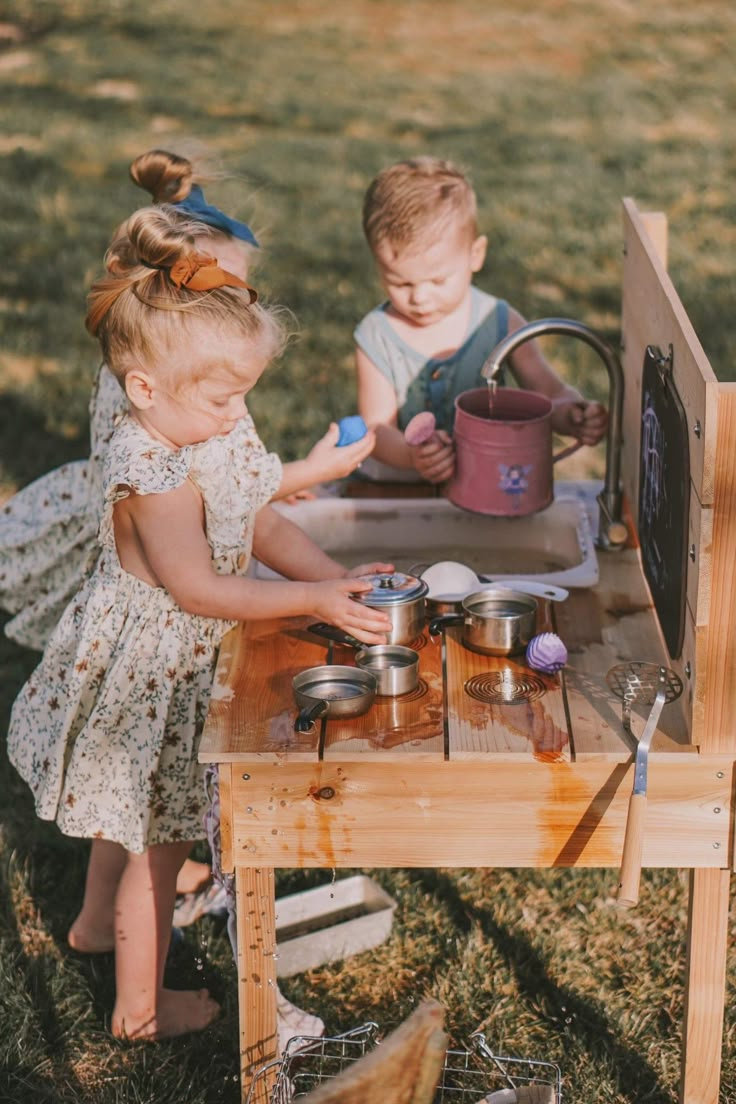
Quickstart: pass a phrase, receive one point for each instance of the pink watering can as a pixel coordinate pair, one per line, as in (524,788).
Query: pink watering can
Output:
(503,451)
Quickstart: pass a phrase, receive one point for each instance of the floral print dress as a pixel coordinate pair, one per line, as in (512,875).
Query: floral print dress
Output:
(107,727)
(48,531)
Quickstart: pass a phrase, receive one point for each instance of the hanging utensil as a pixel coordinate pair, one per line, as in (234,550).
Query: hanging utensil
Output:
(644,684)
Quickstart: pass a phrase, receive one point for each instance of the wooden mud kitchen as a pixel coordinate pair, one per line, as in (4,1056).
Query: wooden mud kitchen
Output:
(488,763)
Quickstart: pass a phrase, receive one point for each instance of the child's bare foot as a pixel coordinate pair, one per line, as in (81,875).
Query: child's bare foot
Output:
(192,876)
(86,938)
(178,1012)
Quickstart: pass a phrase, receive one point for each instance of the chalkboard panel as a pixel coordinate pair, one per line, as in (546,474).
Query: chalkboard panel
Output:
(664,495)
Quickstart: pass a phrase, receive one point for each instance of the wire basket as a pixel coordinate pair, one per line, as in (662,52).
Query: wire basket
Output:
(467,1075)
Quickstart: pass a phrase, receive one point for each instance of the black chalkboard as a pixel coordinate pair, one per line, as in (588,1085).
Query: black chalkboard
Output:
(664,495)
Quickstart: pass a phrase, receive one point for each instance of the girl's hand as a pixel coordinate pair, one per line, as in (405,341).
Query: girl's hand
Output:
(370,569)
(332,462)
(587,421)
(334,604)
(435,459)
(299,496)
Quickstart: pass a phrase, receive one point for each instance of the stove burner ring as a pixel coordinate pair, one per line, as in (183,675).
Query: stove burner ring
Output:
(505,688)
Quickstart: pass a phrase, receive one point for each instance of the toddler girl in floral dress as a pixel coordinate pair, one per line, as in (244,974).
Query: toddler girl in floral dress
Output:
(106,729)
(48,531)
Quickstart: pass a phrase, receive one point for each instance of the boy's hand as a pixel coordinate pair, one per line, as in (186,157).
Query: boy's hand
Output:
(587,421)
(332,462)
(334,604)
(435,459)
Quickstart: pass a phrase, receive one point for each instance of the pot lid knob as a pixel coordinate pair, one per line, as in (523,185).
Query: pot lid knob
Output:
(392,588)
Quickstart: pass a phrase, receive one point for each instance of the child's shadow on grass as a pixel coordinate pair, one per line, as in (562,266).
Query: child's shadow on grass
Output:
(637,1080)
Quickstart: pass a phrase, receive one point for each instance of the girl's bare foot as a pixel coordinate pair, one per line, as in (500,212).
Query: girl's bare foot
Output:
(192,876)
(177,1013)
(89,939)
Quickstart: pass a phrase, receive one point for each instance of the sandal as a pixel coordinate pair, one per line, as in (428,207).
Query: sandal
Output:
(211,900)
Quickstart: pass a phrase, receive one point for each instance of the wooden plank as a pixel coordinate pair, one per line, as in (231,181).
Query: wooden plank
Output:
(699,568)
(394,728)
(653,315)
(690,666)
(707,942)
(252,710)
(719,726)
(535,726)
(256,927)
(603,627)
(498,813)
(655,224)
(224,782)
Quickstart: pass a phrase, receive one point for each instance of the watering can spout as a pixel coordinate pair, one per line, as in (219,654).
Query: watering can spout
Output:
(612,531)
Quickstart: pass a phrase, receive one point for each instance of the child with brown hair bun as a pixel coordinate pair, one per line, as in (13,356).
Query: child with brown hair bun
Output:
(428,342)
(48,539)
(106,729)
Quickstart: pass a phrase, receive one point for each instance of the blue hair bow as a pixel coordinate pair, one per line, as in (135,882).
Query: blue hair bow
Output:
(196,205)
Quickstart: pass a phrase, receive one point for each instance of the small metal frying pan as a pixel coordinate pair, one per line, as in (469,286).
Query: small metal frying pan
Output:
(395,667)
(332,691)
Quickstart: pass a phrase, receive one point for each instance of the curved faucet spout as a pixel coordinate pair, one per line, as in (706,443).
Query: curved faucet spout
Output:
(612,531)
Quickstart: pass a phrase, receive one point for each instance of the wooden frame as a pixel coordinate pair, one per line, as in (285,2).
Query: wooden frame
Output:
(542,786)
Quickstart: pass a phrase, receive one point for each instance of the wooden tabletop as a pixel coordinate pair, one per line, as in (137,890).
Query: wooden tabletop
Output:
(570,716)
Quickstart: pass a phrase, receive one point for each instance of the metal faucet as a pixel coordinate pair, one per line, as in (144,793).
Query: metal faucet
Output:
(612,532)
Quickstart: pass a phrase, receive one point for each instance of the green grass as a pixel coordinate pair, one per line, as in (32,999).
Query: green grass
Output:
(558,111)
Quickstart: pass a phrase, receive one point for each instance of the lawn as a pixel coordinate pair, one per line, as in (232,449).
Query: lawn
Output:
(558,109)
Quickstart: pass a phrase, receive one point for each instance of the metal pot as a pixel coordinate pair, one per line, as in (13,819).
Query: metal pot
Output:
(402,598)
(332,690)
(395,667)
(497,622)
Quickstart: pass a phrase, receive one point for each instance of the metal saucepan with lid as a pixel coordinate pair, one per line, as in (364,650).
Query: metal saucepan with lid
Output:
(395,667)
(332,690)
(402,598)
(497,621)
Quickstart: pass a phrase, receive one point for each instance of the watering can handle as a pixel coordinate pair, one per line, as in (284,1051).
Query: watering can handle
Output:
(567,451)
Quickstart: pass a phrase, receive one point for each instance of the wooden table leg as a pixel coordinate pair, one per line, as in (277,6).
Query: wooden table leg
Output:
(705,986)
(256,910)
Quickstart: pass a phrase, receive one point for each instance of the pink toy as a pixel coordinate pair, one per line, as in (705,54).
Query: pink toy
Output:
(420,428)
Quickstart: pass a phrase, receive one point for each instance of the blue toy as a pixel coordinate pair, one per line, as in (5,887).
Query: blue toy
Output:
(352,429)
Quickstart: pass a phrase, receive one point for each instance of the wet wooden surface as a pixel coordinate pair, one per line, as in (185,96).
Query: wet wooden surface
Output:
(455,713)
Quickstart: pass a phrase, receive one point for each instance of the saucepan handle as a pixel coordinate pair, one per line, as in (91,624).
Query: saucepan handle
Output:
(311,713)
(437,624)
(331,632)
